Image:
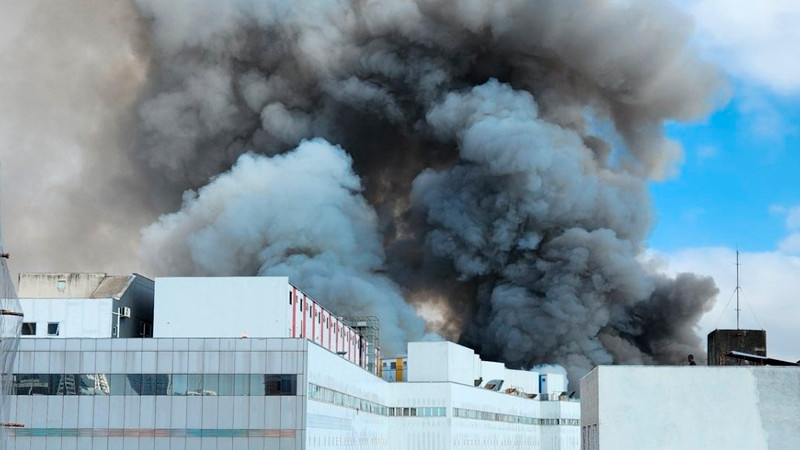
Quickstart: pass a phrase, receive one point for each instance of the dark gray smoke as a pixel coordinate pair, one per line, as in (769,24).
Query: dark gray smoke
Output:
(500,157)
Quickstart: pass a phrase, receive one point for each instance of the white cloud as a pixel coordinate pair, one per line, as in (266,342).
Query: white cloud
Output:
(793,218)
(790,245)
(770,295)
(757,41)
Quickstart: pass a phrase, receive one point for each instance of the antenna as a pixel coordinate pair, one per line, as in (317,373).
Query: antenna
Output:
(738,288)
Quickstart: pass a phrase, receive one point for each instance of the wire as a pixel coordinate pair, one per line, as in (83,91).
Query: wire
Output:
(716,325)
(761,327)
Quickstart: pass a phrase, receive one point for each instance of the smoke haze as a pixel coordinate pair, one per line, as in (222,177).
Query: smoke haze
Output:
(486,160)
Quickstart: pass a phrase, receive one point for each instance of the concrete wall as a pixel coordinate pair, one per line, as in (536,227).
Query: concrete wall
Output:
(722,342)
(692,407)
(221,307)
(58,285)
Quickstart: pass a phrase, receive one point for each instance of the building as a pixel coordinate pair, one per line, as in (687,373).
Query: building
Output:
(86,305)
(690,407)
(235,363)
(253,307)
(722,342)
(394,369)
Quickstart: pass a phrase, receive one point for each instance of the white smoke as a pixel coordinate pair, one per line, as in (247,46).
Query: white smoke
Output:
(299,214)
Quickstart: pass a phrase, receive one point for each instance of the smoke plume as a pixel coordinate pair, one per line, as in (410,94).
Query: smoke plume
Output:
(487,160)
(298,214)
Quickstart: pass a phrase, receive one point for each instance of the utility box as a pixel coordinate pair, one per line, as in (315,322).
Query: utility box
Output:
(722,342)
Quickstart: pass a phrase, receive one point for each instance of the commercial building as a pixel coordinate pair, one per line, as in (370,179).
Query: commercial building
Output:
(690,407)
(240,363)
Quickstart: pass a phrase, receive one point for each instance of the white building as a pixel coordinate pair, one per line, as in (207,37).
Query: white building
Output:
(86,305)
(690,408)
(181,390)
(252,307)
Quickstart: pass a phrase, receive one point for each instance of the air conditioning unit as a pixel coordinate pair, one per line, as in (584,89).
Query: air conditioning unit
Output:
(125,311)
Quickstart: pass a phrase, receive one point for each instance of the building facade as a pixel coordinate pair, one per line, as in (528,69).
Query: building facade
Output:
(268,392)
(690,407)
(97,305)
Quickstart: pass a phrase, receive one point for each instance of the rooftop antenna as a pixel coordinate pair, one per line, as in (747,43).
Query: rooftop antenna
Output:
(738,288)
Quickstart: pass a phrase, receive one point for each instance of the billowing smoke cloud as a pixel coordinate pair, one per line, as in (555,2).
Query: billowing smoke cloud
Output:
(298,214)
(504,146)
(500,151)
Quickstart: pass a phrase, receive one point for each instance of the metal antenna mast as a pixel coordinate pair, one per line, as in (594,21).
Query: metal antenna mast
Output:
(738,288)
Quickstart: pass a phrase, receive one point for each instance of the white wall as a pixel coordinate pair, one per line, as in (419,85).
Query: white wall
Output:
(493,371)
(77,317)
(440,361)
(693,407)
(522,379)
(330,426)
(221,307)
(552,384)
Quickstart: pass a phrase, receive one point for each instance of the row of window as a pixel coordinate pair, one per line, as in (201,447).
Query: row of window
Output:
(328,322)
(421,412)
(155,384)
(326,395)
(510,418)
(29,328)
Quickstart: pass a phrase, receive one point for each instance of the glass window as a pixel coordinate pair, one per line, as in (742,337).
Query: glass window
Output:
(281,384)
(177,384)
(241,385)
(134,384)
(52,328)
(154,384)
(29,328)
(194,385)
(32,384)
(290,298)
(257,386)
(117,384)
(210,384)
(226,384)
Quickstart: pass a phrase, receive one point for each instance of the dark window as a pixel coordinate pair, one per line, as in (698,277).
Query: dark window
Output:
(290,298)
(52,329)
(29,328)
(281,384)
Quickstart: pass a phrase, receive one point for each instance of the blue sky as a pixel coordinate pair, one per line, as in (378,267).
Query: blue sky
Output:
(739,185)
(741,170)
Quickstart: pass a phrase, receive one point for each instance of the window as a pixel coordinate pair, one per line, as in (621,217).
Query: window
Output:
(52,328)
(29,328)
(281,384)
(300,302)
(290,298)
(61,285)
